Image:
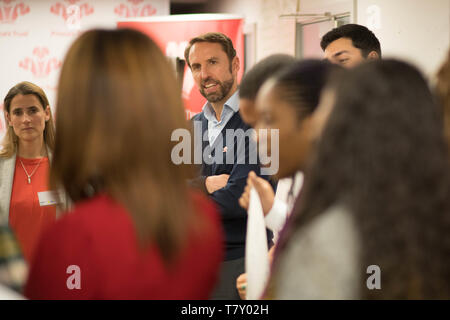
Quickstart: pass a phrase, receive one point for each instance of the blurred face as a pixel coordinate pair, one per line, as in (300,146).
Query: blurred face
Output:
(247,110)
(342,52)
(213,73)
(275,113)
(27,116)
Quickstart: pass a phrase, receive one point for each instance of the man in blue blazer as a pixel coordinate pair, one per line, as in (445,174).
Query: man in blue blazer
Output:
(228,151)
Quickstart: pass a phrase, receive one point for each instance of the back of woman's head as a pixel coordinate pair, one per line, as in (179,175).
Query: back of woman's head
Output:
(384,127)
(118,103)
(301,84)
(382,155)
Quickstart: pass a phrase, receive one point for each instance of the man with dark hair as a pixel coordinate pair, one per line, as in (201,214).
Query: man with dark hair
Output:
(254,79)
(350,44)
(215,66)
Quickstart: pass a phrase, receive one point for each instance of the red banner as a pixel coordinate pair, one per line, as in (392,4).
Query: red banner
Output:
(174,32)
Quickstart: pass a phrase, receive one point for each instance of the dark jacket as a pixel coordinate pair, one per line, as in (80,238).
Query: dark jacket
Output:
(234,217)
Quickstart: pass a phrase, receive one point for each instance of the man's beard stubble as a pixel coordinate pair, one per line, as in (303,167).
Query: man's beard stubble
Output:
(224,89)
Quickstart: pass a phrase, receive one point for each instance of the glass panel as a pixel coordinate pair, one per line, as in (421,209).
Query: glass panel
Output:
(308,36)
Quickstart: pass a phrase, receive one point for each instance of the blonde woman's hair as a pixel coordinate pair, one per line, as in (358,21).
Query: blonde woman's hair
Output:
(10,141)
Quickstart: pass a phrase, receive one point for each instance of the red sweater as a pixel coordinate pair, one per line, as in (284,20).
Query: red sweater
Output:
(98,236)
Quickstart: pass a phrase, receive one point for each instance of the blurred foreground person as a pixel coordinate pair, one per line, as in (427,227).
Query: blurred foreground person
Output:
(374,215)
(26,202)
(285,103)
(253,80)
(248,90)
(136,231)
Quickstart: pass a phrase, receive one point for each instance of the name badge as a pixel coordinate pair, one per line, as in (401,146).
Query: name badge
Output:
(48,198)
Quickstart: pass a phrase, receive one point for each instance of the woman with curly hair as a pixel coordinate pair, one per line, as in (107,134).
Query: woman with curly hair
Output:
(374,216)
(443,92)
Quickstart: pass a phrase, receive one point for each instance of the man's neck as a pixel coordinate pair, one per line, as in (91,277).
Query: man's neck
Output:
(218,106)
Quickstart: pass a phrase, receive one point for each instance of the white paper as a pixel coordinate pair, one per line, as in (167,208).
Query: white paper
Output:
(256,251)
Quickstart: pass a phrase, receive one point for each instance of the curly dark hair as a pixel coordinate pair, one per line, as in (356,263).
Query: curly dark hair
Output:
(301,84)
(383,156)
(253,79)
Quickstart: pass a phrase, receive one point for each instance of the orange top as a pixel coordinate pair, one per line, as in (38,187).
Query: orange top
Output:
(27,217)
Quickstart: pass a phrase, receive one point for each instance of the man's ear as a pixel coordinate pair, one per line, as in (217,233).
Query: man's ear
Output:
(235,65)
(373,55)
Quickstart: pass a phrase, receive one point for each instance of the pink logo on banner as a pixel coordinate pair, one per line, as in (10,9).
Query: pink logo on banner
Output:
(40,64)
(135,10)
(10,12)
(73,10)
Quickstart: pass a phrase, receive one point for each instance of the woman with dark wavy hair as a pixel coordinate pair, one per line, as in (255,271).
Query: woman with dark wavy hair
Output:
(374,216)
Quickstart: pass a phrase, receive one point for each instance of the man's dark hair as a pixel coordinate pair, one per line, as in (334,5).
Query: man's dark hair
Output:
(362,38)
(214,37)
(260,72)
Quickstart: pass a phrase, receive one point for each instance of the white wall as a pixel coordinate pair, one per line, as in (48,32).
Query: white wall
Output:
(273,35)
(313,33)
(414,30)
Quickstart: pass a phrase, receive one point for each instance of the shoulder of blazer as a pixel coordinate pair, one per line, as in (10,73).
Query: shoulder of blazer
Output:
(198,117)
(7,168)
(236,122)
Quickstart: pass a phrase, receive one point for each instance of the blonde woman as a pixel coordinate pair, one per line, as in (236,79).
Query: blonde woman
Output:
(136,231)
(26,202)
